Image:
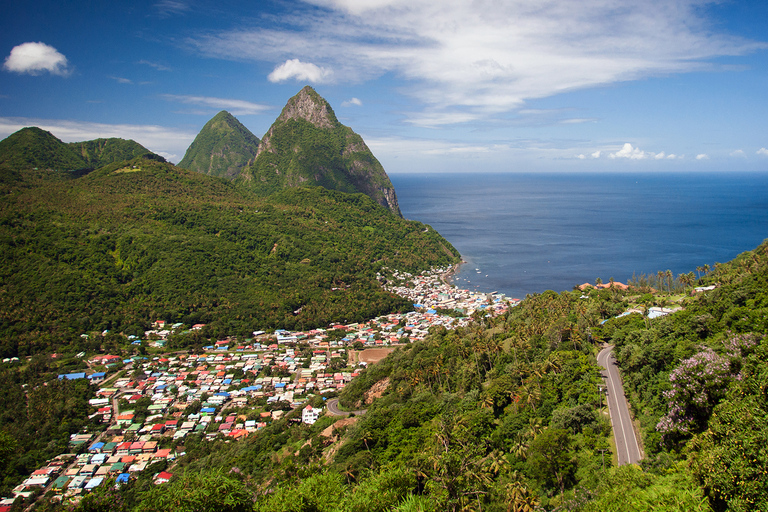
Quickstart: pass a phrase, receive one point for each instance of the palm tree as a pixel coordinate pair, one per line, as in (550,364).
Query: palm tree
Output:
(534,427)
(668,273)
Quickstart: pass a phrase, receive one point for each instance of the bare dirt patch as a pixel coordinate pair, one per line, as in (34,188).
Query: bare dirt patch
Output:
(328,432)
(376,391)
(374,355)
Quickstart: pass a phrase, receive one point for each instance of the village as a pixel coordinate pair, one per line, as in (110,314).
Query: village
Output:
(150,404)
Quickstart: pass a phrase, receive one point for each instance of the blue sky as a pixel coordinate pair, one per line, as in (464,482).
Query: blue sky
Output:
(481,85)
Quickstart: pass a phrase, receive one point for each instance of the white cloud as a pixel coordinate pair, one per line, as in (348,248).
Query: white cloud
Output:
(299,71)
(634,153)
(36,58)
(168,8)
(159,139)
(121,80)
(235,107)
(596,154)
(702,156)
(630,152)
(739,153)
(470,60)
(762,151)
(156,65)
(353,102)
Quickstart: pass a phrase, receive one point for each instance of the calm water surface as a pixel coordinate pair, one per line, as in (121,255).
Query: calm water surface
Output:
(526,233)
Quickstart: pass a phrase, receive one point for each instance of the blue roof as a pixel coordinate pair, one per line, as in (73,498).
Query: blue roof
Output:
(97,446)
(123,478)
(221,393)
(208,409)
(280,385)
(72,376)
(97,375)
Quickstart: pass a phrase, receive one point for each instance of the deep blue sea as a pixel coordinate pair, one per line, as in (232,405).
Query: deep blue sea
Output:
(527,233)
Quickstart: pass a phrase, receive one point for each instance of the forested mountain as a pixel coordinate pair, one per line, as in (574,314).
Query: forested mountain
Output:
(32,147)
(140,240)
(308,146)
(222,148)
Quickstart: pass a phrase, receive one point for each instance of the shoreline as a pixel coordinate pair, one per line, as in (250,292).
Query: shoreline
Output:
(446,277)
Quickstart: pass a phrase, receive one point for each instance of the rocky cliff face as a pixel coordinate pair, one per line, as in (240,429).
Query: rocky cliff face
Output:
(307,146)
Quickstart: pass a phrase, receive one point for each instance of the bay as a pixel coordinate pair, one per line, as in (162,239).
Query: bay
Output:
(526,233)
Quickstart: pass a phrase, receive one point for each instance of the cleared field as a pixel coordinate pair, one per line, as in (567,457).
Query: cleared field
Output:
(373,355)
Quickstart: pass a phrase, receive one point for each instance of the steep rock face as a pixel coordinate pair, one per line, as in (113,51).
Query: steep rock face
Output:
(308,146)
(222,148)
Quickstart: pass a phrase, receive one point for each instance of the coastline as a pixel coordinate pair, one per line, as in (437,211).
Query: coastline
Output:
(447,277)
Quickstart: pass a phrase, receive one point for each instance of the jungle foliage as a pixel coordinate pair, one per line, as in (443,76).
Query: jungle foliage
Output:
(505,414)
(33,147)
(222,148)
(143,240)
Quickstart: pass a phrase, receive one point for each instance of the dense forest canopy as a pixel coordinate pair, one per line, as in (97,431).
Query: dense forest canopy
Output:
(505,414)
(142,240)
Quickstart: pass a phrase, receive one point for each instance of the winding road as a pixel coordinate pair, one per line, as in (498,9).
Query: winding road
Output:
(627,448)
(333,408)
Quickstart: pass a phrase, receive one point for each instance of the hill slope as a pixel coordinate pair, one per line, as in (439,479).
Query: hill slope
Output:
(34,148)
(308,146)
(222,148)
(141,240)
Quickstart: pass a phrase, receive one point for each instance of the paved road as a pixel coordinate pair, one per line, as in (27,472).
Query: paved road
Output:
(333,408)
(623,432)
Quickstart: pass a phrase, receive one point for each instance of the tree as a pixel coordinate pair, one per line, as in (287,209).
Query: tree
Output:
(200,491)
(550,458)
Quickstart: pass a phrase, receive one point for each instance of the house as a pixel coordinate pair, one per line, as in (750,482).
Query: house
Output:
(310,414)
(163,477)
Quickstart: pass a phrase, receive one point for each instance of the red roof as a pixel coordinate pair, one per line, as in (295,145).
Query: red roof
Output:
(164,475)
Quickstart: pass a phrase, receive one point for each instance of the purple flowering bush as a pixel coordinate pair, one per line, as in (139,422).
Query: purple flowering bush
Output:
(700,382)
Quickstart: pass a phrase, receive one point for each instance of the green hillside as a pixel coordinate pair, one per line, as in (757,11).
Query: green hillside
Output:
(100,152)
(307,146)
(32,147)
(506,414)
(222,148)
(36,149)
(144,240)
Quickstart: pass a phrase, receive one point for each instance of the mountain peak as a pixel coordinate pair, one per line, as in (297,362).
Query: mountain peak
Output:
(222,148)
(311,107)
(308,146)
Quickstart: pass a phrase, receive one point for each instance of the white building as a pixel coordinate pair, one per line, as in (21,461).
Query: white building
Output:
(309,415)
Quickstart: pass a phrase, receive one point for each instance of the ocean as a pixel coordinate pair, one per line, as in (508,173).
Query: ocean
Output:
(527,233)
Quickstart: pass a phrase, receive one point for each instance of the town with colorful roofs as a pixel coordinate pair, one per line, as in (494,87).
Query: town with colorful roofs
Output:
(150,404)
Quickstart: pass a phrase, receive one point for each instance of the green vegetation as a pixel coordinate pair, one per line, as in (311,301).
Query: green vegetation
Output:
(505,414)
(222,148)
(308,146)
(31,148)
(37,415)
(142,240)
